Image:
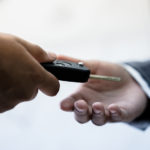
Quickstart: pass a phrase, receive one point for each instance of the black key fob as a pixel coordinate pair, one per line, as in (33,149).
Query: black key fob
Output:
(68,71)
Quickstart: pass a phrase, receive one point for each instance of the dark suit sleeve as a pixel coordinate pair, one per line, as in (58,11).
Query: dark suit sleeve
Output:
(143,68)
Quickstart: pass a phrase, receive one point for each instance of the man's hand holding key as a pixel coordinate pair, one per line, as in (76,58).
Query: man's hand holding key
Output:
(21,75)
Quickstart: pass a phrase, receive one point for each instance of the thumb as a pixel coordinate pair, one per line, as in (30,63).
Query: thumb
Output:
(48,83)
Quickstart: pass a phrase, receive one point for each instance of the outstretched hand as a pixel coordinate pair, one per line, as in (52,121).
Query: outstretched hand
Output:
(104,101)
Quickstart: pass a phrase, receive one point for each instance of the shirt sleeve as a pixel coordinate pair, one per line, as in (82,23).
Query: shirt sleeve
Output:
(140,71)
(139,79)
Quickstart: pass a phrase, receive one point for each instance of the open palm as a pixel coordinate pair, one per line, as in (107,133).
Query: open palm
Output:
(104,101)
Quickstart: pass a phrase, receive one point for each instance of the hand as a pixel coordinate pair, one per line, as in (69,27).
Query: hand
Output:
(104,101)
(21,74)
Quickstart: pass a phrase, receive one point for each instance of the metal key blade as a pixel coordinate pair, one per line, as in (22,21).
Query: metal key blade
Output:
(109,78)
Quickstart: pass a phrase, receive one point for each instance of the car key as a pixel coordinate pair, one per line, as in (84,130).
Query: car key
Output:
(73,72)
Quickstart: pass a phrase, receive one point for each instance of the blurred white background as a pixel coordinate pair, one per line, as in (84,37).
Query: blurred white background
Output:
(112,30)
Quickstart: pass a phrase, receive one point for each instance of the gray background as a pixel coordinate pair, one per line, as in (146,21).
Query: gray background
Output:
(111,30)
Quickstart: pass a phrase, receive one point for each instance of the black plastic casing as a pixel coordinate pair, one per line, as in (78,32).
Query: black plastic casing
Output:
(67,71)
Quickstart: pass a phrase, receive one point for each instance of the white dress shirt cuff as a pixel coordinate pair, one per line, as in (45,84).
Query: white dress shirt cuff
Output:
(139,79)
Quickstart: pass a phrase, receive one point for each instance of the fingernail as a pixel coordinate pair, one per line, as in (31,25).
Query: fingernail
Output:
(115,116)
(97,111)
(113,112)
(80,109)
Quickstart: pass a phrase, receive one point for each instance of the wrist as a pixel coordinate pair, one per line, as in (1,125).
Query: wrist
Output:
(143,120)
(138,78)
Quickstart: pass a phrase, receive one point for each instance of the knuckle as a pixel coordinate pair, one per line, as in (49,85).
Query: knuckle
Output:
(6,107)
(39,51)
(10,107)
(9,38)
(37,47)
(12,38)
(28,96)
(34,94)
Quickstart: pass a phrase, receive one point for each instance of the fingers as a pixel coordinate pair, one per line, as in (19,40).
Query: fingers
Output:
(68,103)
(48,84)
(99,116)
(40,78)
(90,64)
(97,113)
(81,111)
(117,113)
(37,52)
(67,58)
(84,112)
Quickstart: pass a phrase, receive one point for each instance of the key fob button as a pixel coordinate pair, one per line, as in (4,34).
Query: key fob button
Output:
(60,64)
(67,64)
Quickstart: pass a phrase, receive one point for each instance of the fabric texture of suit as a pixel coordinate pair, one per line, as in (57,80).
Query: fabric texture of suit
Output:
(143,68)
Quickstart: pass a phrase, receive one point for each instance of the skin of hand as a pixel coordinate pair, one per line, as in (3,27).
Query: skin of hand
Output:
(104,101)
(21,74)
